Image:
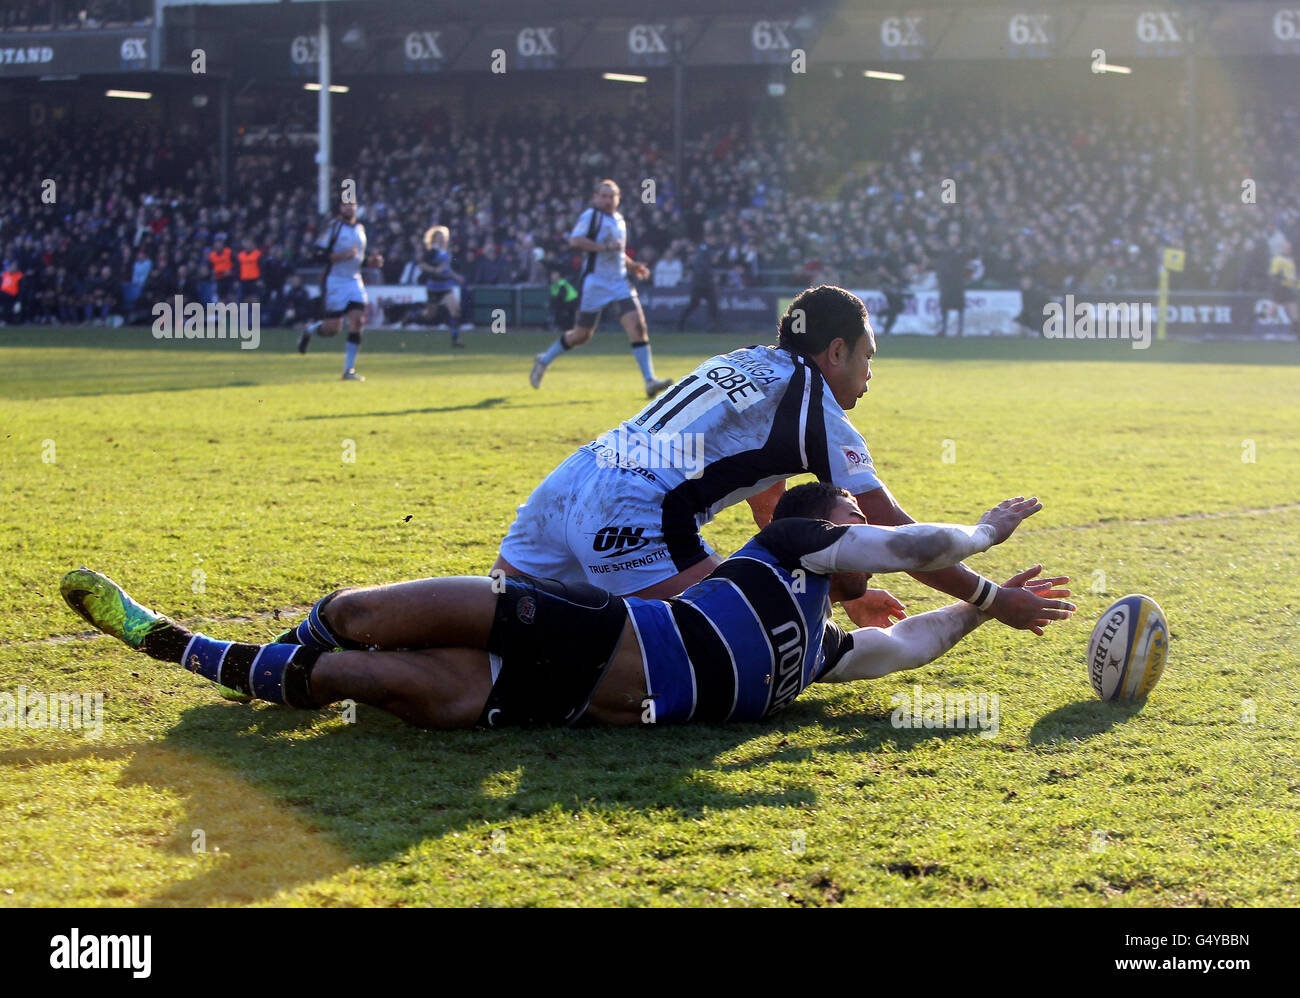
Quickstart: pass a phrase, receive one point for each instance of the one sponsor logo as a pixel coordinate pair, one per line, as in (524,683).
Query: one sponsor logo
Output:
(657,555)
(787,639)
(526,609)
(618,541)
(855,459)
(741,391)
(1088,320)
(100,952)
(1101,658)
(918,709)
(134,51)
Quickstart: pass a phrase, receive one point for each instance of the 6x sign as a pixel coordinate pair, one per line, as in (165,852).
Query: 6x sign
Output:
(536,41)
(1156,26)
(1029,29)
(422,45)
(768,35)
(646,39)
(135,48)
(896,32)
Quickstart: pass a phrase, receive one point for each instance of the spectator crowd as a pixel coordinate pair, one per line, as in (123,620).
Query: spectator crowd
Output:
(60,15)
(100,221)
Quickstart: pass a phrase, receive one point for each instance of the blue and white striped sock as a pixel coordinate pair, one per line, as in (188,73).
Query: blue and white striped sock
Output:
(312,632)
(278,673)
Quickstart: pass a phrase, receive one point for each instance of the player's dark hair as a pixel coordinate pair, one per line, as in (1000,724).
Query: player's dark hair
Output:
(819,315)
(813,500)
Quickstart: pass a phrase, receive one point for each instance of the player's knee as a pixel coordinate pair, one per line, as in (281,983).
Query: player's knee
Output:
(353,615)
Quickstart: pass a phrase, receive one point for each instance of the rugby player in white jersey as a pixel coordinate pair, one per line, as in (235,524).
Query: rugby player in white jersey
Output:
(624,512)
(601,233)
(343,292)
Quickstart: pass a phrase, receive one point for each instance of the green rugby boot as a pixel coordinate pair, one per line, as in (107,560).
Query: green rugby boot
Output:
(101,602)
(104,604)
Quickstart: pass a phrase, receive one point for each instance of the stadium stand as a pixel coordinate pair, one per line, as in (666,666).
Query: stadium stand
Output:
(1076,201)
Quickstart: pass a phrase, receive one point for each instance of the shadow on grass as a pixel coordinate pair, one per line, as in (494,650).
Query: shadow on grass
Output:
(1077,721)
(489,403)
(281,799)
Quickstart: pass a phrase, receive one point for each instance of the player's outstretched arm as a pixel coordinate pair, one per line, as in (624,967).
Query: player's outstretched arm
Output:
(919,546)
(1015,607)
(919,640)
(909,644)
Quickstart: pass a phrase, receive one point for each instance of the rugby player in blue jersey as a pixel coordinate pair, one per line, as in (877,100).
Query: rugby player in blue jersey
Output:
(601,233)
(519,651)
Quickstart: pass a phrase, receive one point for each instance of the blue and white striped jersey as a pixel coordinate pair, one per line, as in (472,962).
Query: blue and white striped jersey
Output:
(743,643)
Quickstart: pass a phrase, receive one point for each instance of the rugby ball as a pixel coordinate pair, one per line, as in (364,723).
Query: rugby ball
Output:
(1127,650)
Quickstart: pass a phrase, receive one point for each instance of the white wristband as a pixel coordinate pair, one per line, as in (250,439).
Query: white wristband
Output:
(986,591)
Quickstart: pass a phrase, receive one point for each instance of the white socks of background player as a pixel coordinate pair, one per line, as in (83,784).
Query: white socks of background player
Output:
(641,351)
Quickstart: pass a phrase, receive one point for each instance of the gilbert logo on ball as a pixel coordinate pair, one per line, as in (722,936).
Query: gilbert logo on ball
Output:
(1127,650)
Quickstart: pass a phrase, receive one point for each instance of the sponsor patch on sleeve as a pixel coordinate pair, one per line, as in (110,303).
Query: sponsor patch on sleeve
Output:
(855,460)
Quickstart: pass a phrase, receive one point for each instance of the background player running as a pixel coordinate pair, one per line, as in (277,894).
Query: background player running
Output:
(343,291)
(442,283)
(460,652)
(601,233)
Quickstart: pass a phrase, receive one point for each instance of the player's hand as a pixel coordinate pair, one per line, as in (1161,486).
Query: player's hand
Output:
(353,253)
(639,270)
(1030,604)
(1007,515)
(875,608)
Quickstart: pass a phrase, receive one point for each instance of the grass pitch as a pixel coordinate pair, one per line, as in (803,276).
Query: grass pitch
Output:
(215,483)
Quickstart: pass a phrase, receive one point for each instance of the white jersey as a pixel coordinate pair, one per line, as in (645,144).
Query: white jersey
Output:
(624,512)
(734,426)
(348,237)
(608,271)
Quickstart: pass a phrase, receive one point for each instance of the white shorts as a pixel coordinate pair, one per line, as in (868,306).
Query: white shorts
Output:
(602,525)
(596,296)
(341,292)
